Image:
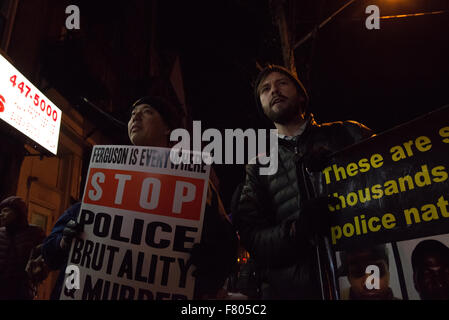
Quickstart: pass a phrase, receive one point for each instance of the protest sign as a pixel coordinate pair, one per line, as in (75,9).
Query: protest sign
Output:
(141,215)
(392,188)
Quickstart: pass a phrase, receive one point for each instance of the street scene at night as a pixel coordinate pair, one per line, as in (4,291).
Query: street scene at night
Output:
(223,155)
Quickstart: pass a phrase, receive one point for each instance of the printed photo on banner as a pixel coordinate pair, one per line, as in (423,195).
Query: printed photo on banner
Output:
(425,264)
(141,216)
(353,276)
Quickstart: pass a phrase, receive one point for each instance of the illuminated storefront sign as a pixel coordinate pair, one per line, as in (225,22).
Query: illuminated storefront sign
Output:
(27,109)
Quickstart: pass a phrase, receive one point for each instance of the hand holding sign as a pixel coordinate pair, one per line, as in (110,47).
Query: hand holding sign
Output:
(314,218)
(71,230)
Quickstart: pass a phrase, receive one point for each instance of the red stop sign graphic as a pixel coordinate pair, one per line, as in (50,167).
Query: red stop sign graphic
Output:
(2,101)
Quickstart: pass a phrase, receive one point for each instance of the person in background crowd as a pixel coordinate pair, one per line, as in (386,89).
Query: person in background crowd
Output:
(430,263)
(354,265)
(152,120)
(277,219)
(17,240)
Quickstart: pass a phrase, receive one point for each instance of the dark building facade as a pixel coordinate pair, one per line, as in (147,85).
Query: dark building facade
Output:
(109,62)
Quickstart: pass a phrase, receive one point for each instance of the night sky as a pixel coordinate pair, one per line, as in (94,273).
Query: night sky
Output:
(381,78)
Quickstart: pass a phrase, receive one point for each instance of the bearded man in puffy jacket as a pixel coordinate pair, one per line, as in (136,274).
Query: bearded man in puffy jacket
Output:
(17,239)
(277,217)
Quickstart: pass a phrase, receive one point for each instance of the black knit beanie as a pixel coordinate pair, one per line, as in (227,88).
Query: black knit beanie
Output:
(171,114)
(276,68)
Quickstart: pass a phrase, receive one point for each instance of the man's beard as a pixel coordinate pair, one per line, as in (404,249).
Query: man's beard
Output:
(286,114)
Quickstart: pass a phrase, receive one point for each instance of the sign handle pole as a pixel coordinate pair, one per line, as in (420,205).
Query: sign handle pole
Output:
(326,267)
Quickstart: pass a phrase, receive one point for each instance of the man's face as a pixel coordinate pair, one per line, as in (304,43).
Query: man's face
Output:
(432,278)
(147,128)
(7,216)
(279,97)
(357,276)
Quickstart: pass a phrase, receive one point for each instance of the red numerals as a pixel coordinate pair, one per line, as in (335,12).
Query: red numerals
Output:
(13,80)
(46,108)
(2,101)
(20,86)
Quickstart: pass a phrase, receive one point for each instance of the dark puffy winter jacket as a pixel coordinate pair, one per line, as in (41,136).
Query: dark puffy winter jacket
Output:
(270,204)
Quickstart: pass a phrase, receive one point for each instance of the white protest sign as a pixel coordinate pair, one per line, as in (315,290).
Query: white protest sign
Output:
(141,216)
